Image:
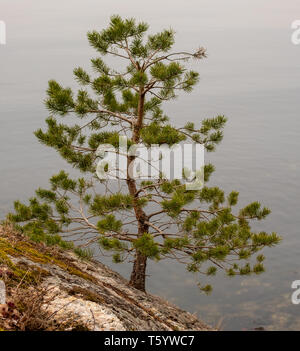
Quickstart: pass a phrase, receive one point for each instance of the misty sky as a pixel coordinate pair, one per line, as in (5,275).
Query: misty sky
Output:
(43,18)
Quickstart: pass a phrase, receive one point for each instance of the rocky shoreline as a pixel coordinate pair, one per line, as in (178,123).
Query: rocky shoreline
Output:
(48,288)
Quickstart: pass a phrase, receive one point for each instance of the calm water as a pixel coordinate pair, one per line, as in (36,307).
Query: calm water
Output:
(252,76)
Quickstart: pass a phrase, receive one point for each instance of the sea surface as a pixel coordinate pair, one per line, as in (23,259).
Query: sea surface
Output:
(251,75)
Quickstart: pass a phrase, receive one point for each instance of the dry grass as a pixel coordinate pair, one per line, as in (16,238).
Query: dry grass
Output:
(26,310)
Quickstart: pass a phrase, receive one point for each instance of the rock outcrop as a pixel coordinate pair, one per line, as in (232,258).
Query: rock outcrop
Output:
(68,293)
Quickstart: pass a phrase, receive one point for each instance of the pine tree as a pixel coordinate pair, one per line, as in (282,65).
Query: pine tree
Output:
(147,219)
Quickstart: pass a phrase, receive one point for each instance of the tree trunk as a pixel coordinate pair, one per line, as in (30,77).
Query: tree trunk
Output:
(138,274)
